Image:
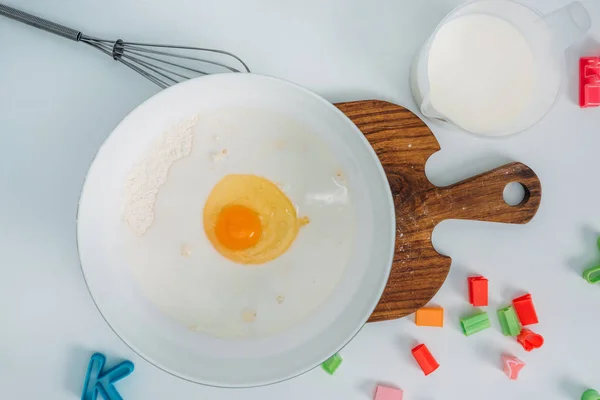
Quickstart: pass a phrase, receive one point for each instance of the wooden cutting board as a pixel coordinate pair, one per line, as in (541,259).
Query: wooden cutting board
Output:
(404,143)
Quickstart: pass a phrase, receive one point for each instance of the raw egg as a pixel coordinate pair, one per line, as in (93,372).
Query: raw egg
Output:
(249,220)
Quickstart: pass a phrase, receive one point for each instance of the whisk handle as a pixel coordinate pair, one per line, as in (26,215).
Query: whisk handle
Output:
(40,23)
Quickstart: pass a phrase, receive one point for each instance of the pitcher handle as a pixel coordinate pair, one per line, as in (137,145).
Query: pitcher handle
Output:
(569,23)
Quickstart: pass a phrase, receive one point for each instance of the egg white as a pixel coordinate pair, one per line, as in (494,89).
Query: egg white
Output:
(178,269)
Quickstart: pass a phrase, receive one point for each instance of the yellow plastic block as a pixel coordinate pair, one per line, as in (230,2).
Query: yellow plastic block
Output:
(430,316)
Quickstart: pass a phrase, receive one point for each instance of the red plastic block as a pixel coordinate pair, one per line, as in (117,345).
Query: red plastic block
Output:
(424,358)
(478,291)
(589,82)
(525,310)
(530,340)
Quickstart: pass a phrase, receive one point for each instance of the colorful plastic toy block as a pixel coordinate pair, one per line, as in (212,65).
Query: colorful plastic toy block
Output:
(424,358)
(430,316)
(512,366)
(525,310)
(530,340)
(475,323)
(509,321)
(103,382)
(387,393)
(590,394)
(332,363)
(589,82)
(592,275)
(478,291)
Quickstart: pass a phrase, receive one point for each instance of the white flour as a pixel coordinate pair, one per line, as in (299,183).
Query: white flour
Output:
(481,72)
(146,177)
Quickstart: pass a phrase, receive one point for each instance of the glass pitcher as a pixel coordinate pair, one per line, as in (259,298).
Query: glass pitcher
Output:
(547,38)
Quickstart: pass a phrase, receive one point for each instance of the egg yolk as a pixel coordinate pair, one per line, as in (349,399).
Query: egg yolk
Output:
(238,227)
(249,220)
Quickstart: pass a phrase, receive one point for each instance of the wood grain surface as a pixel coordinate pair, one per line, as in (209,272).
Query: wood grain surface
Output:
(404,143)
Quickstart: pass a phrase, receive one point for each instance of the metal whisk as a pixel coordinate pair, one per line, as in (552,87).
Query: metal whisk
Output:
(163,64)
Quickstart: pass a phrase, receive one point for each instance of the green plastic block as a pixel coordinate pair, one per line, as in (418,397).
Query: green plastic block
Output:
(592,275)
(475,323)
(509,321)
(332,363)
(590,394)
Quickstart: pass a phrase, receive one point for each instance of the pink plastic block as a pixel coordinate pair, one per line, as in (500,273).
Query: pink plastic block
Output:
(387,393)
(512,366)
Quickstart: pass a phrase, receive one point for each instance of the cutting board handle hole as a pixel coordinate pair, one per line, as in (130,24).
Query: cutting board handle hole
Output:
(515,194)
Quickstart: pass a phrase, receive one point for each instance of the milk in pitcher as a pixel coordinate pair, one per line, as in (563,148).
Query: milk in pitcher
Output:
(481,73)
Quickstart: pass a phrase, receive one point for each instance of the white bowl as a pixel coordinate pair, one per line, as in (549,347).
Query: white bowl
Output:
(238,362)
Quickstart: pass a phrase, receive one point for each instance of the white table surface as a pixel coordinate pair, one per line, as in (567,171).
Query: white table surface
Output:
(59,100)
